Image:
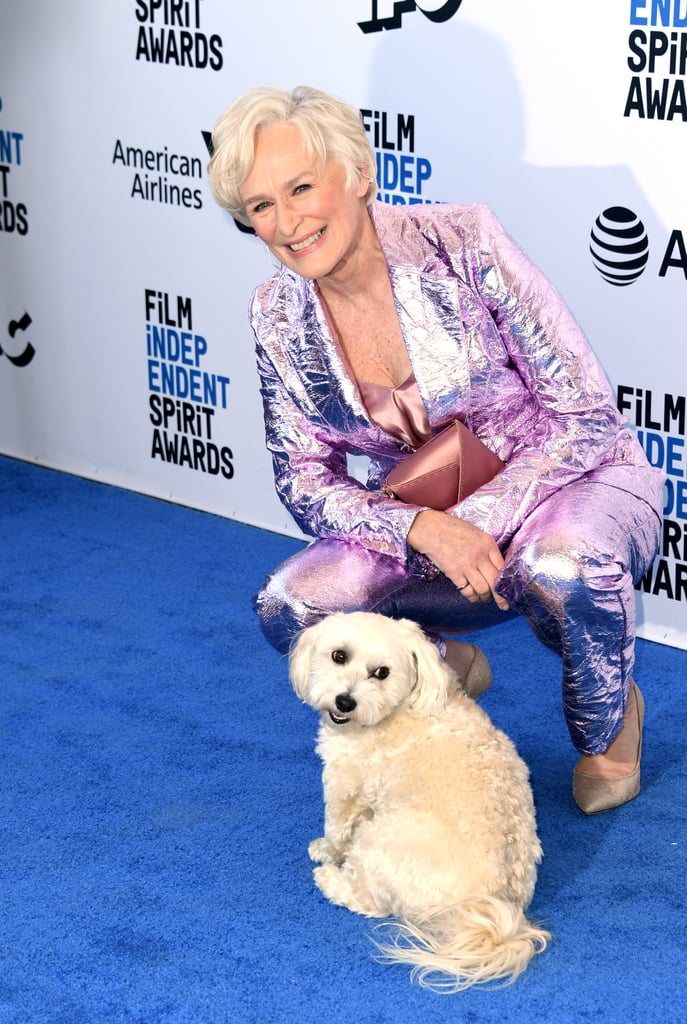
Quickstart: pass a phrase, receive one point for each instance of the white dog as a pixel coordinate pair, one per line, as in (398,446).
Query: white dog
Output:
(429,817)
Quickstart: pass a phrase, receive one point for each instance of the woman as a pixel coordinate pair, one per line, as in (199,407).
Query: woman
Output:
(384,324)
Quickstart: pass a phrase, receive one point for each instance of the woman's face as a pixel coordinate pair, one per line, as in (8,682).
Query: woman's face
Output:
(302,209)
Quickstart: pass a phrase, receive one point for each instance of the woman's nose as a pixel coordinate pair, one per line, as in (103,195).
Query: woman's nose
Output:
(287,219)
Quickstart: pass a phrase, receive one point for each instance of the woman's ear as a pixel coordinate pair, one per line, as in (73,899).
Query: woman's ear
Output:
(364,183)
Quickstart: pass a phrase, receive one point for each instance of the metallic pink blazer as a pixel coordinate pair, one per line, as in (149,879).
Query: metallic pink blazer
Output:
(490,341)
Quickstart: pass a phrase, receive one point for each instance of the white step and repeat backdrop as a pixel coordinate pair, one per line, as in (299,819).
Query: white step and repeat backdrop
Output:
(126,355)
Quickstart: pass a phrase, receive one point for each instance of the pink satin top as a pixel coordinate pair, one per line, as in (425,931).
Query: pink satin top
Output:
(400,410)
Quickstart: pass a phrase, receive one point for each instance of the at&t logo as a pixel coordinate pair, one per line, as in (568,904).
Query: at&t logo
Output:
(388,13)
(620,247)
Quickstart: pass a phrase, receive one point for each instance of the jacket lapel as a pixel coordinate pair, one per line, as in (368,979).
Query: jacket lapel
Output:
(428,310)
(328,382)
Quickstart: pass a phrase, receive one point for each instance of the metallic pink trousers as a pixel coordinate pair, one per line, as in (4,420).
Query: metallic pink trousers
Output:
(570,571)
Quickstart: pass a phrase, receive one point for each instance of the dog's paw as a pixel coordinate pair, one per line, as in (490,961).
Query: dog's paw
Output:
(343,888)
(320,851)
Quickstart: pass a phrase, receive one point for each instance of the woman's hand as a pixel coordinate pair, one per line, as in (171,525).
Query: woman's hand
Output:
(469,557)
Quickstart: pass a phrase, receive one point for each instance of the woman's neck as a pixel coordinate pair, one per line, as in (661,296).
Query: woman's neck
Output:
(360,275)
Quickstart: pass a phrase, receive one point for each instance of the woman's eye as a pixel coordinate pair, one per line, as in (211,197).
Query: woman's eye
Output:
(340,657)
(300,189)
(260,207)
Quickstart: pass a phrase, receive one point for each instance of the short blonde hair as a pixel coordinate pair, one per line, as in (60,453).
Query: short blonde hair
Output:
(330,129)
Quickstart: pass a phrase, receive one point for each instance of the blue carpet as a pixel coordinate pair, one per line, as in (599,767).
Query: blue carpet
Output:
(159,789)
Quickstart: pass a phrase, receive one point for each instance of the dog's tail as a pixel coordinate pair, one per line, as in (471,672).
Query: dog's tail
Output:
(478,940)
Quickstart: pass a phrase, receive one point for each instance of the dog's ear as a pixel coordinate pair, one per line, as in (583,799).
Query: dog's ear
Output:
(300,659)
(435,680)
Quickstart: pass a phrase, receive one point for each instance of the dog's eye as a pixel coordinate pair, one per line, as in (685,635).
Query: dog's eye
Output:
(381,673)
(340,657)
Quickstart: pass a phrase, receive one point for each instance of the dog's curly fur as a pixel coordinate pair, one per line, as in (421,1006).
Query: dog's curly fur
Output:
(429,817)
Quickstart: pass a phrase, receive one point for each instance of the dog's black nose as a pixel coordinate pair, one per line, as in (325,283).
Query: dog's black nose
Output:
(345,703)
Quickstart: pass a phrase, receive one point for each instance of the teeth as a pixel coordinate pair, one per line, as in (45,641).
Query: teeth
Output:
(297,246)
(337,719)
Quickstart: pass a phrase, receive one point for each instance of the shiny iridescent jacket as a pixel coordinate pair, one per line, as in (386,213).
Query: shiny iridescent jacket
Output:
(490,341)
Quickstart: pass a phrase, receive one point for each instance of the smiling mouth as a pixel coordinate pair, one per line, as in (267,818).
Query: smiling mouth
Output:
(297,246)
(338,719)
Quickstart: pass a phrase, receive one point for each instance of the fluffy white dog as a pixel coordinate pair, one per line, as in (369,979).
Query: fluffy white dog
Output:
(429,817)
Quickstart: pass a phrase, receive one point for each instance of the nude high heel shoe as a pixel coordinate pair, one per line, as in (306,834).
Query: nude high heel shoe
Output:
(594,794)
(478,677)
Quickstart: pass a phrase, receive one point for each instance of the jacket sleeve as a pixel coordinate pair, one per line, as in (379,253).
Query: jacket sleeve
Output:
(310,459)
(575,426)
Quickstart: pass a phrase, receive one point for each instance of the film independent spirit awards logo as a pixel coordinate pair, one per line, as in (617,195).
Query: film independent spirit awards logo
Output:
(388,14)
(13,218)
(619,246)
